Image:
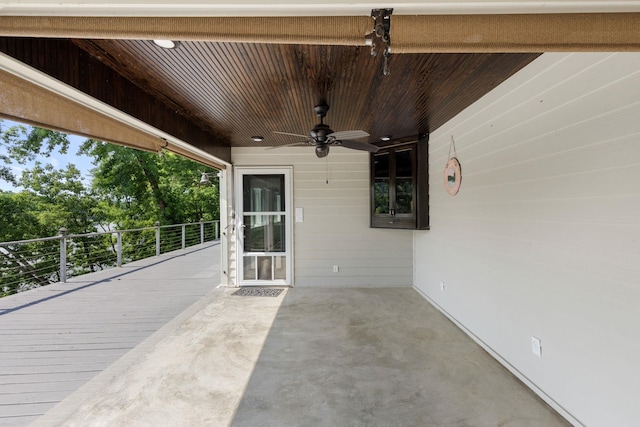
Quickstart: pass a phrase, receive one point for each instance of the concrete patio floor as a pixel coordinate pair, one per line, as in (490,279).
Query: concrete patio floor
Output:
(309,357)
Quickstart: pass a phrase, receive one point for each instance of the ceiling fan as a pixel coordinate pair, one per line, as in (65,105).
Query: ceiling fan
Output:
(321,136)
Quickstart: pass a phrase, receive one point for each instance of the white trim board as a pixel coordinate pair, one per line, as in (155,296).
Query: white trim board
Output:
(526,381)
(300,8)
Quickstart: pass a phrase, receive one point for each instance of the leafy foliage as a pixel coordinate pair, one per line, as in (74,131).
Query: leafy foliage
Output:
(22,144)
(130,189)
(151,188)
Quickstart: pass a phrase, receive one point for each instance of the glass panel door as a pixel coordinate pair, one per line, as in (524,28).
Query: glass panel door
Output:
(381,184)
(264,232)
(404,182)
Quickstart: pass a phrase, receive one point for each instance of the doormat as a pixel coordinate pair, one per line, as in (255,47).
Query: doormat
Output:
(258,292)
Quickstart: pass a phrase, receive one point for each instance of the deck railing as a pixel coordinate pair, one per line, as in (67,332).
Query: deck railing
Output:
(27,264)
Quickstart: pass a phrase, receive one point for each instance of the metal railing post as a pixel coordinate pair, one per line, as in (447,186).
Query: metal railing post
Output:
(183,236)
(157,238)
(201,230)
(63,254)
(119,249)
(215,234)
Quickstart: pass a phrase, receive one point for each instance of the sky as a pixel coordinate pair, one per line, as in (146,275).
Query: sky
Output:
(59,161)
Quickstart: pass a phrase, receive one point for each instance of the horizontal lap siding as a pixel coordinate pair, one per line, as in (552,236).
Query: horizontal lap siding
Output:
(544,237)
(336,229)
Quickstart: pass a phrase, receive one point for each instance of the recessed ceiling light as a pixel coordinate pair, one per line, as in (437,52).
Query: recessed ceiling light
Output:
(257,138)
(167,44)
(385,138)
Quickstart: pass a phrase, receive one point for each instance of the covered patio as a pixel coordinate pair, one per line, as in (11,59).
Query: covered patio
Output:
(310,356)
(539,249)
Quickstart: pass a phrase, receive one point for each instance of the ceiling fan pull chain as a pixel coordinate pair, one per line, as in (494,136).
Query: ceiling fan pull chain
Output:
(326,169)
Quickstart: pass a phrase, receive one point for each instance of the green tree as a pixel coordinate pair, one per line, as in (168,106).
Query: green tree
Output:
(18,220)
(21,144)
(149,188)
(130,189)
(63,200)
(52,199)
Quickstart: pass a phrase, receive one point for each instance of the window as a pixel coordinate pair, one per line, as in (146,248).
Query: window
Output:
(399,186)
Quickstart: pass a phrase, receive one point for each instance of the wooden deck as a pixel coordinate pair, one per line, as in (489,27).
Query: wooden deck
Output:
(56,338)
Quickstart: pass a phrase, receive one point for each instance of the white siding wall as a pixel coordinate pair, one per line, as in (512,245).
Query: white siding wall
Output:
(336,229)
(544,237)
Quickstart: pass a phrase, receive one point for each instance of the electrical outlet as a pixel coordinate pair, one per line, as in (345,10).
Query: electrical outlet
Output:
(335,269)
(442,286)
(536,346)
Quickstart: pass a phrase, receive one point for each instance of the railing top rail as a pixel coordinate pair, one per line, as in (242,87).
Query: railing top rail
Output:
(41,239)
(100,233)
(189,223)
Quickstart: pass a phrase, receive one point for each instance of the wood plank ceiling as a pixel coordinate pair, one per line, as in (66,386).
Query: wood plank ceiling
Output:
(236,90)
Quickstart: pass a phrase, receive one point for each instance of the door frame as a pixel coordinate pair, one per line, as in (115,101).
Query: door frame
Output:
(287,171)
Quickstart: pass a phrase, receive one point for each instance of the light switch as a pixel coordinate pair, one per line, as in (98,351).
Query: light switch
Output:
(299,214)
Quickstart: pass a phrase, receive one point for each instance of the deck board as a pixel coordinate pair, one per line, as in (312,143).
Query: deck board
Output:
(54,339)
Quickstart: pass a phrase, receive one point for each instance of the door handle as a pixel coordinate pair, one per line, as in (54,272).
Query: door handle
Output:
(230,228)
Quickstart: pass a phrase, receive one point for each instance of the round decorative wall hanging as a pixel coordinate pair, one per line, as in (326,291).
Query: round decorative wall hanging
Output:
(452,176)
(452,172)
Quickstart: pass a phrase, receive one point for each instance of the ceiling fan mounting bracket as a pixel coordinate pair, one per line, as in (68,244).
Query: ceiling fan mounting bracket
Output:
(320,132)
(381,34)
(382,26)
(321,110)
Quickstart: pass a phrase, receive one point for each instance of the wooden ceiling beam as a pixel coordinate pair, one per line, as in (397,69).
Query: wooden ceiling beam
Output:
(305,7)
(497,33)
(29,103)
(328,30)
(596,32)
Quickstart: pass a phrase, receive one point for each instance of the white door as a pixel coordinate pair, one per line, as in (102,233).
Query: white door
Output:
(264,226)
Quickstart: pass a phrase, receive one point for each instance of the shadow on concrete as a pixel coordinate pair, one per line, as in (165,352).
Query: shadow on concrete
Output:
(378,357)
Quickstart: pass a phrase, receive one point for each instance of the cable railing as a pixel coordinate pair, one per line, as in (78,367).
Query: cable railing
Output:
(28,264)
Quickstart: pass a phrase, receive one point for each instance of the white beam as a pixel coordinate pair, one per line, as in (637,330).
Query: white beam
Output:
(301,8)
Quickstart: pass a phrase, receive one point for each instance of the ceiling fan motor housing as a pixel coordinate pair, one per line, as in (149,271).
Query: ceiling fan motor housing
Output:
(319,132)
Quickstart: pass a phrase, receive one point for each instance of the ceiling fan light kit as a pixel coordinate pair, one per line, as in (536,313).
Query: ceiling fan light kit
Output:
(322,150)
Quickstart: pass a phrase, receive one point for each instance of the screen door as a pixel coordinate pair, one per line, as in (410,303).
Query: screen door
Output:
(264,226)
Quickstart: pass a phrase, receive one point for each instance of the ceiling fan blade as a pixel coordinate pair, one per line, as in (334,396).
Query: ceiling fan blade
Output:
(349,134)
(292,134)
(358,145)
(273,147)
